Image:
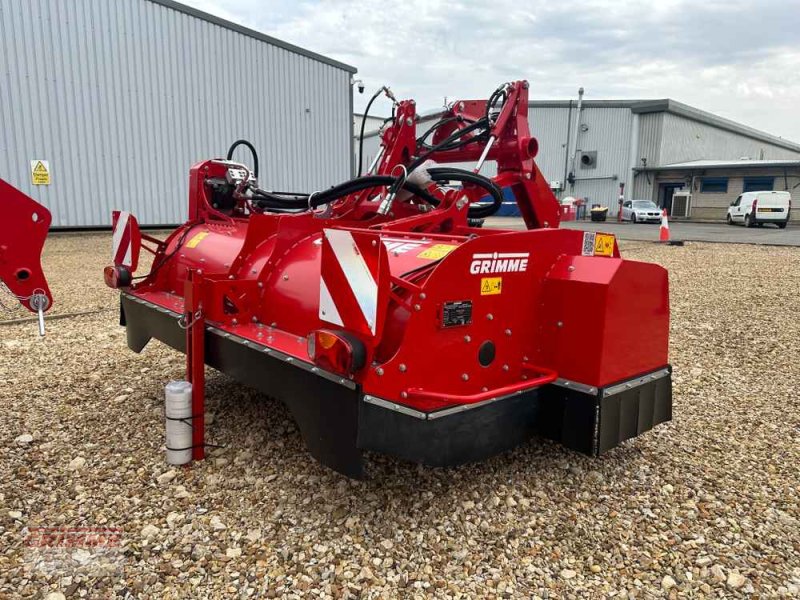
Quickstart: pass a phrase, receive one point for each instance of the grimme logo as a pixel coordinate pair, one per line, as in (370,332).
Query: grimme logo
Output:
(499,262)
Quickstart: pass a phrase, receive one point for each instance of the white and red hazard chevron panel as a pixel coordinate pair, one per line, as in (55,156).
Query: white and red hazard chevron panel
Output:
(126,240)
(354,281)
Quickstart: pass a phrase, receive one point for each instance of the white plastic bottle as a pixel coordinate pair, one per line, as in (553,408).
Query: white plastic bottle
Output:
(179,433)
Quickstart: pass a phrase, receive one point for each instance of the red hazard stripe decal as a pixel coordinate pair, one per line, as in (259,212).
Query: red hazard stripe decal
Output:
(348,286)
(121,239)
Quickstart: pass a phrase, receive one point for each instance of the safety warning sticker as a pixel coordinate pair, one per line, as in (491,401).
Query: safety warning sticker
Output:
(491,286)
(436,251)
(40,172)
(192,243)
(604,244)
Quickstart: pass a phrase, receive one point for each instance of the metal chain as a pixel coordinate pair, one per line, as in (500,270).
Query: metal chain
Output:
(4,288)
(182,323)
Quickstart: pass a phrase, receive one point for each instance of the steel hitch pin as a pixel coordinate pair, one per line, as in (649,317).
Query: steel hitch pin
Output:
(39,303)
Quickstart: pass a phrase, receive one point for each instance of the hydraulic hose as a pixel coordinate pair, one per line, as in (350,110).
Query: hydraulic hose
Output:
(238,143)
(364,124)
(497,94)
(441,174)
(370,181)
(422,140)
(447,143)
(267,200)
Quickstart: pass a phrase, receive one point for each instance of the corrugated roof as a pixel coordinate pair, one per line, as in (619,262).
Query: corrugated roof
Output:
(188,10)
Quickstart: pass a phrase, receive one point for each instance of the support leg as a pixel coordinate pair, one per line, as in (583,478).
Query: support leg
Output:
(195,362)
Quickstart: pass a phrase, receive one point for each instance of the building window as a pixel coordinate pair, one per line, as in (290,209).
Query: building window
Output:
(714,185)
(758,184)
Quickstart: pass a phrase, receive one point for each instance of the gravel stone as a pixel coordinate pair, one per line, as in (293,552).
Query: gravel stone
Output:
(718,573)
(24,439)
(77,463)
(149,531)
(735,580)
(167,476)
(710,500)
(568,573)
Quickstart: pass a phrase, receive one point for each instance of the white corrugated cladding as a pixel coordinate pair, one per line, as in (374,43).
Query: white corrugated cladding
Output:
(687,139)
(123,96)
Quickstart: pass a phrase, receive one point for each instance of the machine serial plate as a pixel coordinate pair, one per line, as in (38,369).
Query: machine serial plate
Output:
(455,314)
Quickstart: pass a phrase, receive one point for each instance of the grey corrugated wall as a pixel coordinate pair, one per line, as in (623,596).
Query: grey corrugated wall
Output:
(685,139)
(609,134)
(123,96)
(651,127)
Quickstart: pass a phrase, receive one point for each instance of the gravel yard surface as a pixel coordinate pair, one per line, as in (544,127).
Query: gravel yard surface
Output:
(706,506)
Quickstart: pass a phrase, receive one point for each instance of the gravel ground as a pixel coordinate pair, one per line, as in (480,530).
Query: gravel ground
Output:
(706,506)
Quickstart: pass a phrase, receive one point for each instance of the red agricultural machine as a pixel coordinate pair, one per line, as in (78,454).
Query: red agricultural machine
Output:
(386,317)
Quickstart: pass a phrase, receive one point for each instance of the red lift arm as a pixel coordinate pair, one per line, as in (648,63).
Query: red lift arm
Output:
(23,229)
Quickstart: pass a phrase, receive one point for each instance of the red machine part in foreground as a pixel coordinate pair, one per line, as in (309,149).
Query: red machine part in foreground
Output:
(23,230)
(386,317)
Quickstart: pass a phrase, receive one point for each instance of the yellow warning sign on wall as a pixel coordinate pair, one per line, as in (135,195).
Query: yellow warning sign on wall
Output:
(40,172)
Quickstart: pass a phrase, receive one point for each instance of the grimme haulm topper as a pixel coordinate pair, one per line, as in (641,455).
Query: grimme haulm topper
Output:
(386,317)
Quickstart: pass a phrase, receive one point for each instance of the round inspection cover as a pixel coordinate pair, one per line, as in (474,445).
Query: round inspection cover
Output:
(486,353)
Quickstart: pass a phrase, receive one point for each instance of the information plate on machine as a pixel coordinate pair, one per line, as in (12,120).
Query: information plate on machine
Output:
(455,314)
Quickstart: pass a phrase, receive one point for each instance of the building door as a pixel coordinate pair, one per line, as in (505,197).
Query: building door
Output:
(665,193)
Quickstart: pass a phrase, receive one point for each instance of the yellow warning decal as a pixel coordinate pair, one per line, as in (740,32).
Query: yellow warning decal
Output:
(491,286)
(604,244)
(192,243)
(40,172)
(436,251)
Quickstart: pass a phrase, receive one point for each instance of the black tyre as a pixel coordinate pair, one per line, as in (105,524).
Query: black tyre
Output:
(748,221)
(728,219)
(783,224)
(633,218)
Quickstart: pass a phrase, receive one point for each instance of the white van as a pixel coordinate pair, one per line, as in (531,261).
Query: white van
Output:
(757,208)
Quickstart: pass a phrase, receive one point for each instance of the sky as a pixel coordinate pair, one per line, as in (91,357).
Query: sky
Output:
(739,59)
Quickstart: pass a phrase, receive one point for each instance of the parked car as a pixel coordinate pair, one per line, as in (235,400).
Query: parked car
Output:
(757,208)
(641,211)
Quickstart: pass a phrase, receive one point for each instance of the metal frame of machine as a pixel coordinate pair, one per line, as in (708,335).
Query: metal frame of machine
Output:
(387,319)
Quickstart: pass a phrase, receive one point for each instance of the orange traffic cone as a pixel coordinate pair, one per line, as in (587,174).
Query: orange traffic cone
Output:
(663,232)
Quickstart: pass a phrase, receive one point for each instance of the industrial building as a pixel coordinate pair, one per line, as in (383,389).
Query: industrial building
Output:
(107,104)
(653,147)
